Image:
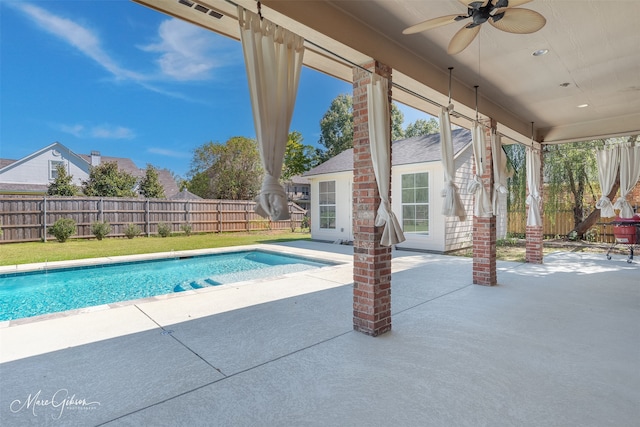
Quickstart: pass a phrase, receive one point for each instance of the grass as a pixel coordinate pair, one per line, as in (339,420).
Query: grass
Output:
(30,252)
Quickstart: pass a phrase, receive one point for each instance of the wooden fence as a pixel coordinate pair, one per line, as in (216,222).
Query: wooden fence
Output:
(25,219)
(560,224)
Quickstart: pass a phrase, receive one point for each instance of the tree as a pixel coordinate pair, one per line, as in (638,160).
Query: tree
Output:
(397,119)
(336,126)
(226,171)
(62,185)
(298,158)
(422,127)
(106,180)
(150,186)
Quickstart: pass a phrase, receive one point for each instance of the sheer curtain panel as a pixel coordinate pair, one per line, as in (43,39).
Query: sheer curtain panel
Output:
(499,169)
(629,174)
(380,142)
(452,205)
(273,59)
(533,184)
(608,160)
(482,204)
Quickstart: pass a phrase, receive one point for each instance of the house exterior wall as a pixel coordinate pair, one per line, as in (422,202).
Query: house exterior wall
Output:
(445,234)
(460,233)
(36,169)
(344,206)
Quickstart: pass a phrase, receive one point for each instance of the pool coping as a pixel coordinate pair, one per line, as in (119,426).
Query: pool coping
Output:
(336,260)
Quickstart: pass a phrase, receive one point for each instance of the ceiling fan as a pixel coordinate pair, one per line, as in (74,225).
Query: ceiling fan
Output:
(502,14)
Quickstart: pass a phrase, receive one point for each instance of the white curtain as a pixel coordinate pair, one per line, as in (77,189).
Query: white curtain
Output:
(533,183)
(273,59)
(452,205)
(380,143)
(499,169)
(482,204)
(629,175)
(608,160)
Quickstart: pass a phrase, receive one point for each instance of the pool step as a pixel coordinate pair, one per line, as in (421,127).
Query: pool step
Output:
(195,284)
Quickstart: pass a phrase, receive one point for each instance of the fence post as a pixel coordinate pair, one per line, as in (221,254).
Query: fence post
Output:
(44,219)
(146,218)
(246,217)
(101,210)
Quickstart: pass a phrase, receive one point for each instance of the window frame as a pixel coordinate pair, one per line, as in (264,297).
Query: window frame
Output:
(415,204)
(327,203)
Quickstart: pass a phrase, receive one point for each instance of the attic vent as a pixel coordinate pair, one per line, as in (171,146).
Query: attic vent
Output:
(185,2)
(215,14)
(202,9)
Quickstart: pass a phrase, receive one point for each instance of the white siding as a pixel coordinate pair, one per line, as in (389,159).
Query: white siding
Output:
(460,233)
(36,169)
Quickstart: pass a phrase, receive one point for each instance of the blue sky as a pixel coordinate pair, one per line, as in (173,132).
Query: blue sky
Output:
(117,77)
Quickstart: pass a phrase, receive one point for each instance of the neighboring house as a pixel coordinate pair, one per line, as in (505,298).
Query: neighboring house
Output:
(32,174)
(416,184)
(298,189)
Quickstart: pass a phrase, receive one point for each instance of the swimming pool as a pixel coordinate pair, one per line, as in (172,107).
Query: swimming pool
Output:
(34,293)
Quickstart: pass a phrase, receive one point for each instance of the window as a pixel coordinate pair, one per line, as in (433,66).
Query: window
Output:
(53,168)
(415,203)
(327,203)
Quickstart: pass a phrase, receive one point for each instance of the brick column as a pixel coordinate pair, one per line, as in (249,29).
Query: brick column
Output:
(371,261)
(535,234)
(484,229)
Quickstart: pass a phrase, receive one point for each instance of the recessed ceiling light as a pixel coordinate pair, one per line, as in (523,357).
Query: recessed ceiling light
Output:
(540,52)
(583,105)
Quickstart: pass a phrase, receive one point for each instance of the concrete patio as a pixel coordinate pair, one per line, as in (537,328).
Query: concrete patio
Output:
(556,344)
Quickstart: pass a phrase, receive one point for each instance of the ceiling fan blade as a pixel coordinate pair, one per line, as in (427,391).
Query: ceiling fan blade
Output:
(462,39)
(519,21)
(430,24)
(467,2)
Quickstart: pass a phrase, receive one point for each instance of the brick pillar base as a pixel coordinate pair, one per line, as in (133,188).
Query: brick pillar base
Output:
(534,236)
(371,261)
(484,251)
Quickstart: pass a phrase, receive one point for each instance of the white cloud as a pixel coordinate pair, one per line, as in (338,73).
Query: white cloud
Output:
(100,132)
(188,52)
(170,153)
(112,132)
(82,38)
(75,130)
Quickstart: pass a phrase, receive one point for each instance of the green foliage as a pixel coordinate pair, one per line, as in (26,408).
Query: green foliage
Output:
(336,126)
(517,183)
(306,222)
(105,180)
(571,177)
(100,229)
(150,186)
(298,158)
(186,228)
(164,229)
(397,119)
(62,185)
(226,171)
(422,127)
(62,229)
(131,231)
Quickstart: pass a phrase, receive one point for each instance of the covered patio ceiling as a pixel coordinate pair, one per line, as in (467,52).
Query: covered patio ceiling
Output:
(593,58)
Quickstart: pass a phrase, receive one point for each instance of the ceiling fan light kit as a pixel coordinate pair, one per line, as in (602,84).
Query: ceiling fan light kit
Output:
(501,14)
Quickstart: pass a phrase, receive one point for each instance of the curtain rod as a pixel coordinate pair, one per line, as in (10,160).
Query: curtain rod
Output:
(395,85)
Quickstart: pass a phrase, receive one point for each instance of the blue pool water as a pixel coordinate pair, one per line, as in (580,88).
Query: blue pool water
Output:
(36,293)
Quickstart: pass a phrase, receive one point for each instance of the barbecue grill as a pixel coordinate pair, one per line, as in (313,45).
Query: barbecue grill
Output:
(627,232)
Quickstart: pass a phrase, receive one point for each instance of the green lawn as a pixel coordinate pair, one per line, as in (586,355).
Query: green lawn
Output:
(23,253)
